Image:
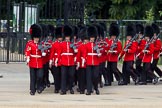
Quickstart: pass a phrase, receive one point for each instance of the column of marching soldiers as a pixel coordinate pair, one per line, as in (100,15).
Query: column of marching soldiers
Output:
(81,55)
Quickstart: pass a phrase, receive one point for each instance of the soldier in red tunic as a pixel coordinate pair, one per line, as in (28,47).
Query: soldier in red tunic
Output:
(54,61)
(148,56)
(92,61)
(141,44)
(81,57)
(34,60)
(157,49)
(67,61)
(113,53)
(128,52)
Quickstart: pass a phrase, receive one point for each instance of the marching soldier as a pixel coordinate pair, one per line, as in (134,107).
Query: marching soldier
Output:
(129,55)
(157,49)
(67,61)
(114,51)
(141,45)
(81,57)
(34,60)
(147,58)
(54,60)
(92,61)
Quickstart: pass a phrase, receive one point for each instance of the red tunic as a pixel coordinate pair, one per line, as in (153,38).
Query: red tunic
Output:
(34,55)
(157,48)
(81,55)
(66,54)
(130,54)
(148,57)
(92,58)
(113,57)
(55,50)
(140,47)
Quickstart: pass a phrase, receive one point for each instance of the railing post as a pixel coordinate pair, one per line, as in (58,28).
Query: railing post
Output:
(8,30)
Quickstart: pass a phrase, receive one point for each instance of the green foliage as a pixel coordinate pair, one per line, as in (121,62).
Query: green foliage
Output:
(122,9)
(150,16)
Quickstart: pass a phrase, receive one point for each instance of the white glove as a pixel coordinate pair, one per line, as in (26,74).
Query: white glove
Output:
(50,63)
(78,65)
(43,54)
(27,59)
(75,59)
(99,55)
(56,62)
(76,50)
(83,62)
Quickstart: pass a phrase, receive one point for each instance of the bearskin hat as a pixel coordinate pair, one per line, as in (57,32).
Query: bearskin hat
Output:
(114,29)
(155,28)
(35,31)
(139,29)
(68,31)
(83,33)
(44,30)
(130,30)
(58,32)
(149,31)
(75,31)
(51,30)
(92,31)
(104,26)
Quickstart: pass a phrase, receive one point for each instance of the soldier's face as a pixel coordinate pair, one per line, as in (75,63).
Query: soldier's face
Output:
(140,35)
(86,41)
(92,39)
(67,38)
(60,39)
(129,37)
(36,40)
(147,38)
(113,37)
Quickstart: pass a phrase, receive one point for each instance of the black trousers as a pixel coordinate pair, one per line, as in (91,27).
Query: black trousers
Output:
(138,67)
(147,72)
(36,79)
(82,79)
(57,76)
(155,68)
(128,71)
(92,74)
(112,69)
(46,73)
(102,71)
(67,77)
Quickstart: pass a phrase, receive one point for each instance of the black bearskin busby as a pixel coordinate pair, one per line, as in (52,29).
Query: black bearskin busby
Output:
(83,33)
(155,28)
(35,31)
(114,30)
(75,31)
(149,31)
(92,31)
(68,31)
(58,32)
(139,29)
(51,30)
(130,30)
(44,30)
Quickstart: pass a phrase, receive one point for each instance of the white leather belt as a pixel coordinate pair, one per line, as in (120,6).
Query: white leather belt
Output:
(36,56)
(55,53)
(92,54)
(67,54)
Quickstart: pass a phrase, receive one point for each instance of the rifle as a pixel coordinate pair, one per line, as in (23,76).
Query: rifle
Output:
(114,45)
(140,39)
(131,41)
(44,46)
(150,41)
